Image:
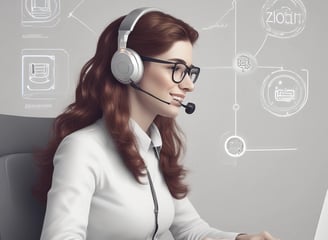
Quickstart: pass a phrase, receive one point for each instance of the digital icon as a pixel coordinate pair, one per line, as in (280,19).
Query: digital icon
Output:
(40,13)
(283,18)
(235,146)
(244,63)
(38,75)
(44,73)
(41,9)
(284,93)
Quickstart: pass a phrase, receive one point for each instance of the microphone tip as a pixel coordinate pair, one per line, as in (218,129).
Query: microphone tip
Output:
(190,108)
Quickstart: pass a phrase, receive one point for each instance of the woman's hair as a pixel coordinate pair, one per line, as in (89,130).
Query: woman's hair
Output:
(99,94)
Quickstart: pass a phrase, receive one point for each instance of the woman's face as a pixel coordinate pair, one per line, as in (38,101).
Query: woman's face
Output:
(157,80)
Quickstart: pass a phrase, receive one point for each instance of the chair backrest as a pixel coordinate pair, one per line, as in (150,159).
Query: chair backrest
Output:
(21,215)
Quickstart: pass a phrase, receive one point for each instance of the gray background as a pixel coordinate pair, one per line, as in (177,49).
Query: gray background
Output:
(279,183)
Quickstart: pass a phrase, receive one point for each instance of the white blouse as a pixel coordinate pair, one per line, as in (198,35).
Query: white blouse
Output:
(93,196)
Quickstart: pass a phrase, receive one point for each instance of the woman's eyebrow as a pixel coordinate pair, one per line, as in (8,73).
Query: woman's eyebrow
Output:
(179,60)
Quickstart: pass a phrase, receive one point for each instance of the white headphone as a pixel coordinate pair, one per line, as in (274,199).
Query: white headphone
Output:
(126,65)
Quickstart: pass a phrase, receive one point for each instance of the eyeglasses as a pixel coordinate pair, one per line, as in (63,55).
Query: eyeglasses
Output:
(179,69)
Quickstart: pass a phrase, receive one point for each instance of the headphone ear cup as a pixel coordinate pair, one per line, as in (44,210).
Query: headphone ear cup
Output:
(127,66)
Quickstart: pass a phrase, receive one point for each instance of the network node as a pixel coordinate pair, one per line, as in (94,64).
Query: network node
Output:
(235,146)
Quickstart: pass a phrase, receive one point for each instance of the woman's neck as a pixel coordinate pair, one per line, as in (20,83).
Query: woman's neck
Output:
(139,113)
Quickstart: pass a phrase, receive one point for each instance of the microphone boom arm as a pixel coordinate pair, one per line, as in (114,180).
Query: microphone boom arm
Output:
(189,107)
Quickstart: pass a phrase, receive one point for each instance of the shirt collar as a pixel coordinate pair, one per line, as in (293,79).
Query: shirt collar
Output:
(145,141)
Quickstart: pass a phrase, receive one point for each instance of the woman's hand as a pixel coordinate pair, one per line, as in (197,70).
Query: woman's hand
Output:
(259,236)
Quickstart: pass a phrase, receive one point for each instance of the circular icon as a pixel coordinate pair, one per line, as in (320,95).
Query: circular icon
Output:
(244,63)
(283,18)
(283,93)
(235,146)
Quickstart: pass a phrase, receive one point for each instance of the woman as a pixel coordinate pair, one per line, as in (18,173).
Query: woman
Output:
(112,166)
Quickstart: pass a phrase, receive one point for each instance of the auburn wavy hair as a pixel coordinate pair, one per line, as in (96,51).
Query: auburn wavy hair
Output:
(99,95)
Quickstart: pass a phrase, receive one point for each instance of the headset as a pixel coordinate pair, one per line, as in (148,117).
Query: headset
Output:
(126,65)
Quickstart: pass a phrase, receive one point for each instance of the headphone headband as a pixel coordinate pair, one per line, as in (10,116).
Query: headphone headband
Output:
(126,64)
(128,23)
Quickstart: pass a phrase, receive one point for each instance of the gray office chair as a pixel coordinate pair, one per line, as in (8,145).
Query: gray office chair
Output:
(21,215)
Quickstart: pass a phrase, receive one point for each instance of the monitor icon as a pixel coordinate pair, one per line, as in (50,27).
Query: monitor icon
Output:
(40,13)
(38,76)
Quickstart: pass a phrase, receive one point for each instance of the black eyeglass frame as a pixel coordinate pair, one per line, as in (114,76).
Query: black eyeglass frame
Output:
(188,69)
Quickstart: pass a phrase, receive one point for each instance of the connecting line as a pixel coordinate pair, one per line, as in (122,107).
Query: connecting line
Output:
(217,24)
(77,6)
(262,45)
(236,102)
(235,7)
(272,67)
(216,67)
(83,23)
(271,149)
(71,15)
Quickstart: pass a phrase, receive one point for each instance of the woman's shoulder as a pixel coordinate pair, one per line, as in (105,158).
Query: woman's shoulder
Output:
(90,136)
(92,142)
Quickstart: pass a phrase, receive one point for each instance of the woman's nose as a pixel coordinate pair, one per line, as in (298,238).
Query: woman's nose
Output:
(186,84)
